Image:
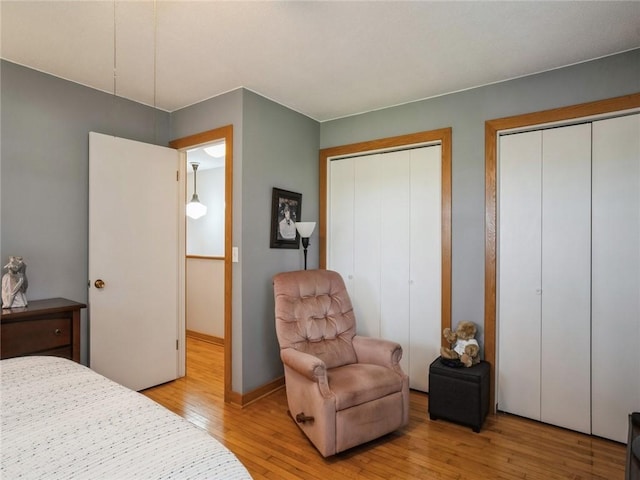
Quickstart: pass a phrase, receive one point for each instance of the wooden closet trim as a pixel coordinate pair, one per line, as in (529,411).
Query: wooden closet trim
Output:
(444,136)
(492,128)
(183,143)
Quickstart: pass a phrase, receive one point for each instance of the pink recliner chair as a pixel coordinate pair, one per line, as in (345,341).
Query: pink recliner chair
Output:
(342,389)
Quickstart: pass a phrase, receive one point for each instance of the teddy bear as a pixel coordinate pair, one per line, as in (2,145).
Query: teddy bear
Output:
(466,348)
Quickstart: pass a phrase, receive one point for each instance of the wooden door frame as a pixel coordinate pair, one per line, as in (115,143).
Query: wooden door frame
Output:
(444,137)
(184,143)
(492,130)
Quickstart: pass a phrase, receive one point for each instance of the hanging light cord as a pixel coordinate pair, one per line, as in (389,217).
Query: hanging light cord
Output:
(115,47)
(155,49)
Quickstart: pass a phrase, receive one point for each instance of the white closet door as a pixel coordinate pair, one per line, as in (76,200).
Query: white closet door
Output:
(353,237)
(384,238)
(340,236)
(368,198)
(519,282)
(425,277)
(395,211)
(566,277)
(616,275)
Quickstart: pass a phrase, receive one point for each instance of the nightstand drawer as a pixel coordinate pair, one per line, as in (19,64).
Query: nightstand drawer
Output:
(44,327)
(35,336)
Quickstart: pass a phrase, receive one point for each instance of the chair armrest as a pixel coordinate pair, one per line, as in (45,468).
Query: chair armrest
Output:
(378,351)
(309,366)
(305,364)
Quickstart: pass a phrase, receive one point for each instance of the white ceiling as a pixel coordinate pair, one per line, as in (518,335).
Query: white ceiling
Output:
(325,59)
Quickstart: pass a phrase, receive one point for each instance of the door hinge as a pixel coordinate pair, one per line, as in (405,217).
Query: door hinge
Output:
(177,175)
(177,345)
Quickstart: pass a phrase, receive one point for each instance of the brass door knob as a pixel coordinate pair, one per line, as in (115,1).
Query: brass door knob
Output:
(99,283)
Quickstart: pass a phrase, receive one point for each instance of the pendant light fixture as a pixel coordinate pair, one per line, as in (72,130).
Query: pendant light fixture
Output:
(195,209)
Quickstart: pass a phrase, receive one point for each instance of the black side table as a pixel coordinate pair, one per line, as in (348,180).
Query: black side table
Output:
(460,395)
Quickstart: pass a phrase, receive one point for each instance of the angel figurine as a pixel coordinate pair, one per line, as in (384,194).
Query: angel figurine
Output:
(14,284)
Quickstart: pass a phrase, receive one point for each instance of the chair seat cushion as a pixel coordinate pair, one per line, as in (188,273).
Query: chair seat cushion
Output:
(359,383)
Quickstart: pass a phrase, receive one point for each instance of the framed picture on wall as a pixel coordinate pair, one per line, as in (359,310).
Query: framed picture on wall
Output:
(286,209)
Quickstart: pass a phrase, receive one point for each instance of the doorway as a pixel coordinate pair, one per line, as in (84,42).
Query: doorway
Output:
(208,254)
(205,233)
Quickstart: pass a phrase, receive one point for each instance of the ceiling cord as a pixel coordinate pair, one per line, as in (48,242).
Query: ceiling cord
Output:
(155,49)
(115,65)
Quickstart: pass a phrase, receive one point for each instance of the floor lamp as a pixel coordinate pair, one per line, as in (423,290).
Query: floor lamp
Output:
(305,229)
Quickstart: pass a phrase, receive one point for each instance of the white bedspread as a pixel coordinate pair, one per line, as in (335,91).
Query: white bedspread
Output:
(61,420)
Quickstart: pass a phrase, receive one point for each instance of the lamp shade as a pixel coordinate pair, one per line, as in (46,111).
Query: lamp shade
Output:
(195,209)
(305,229)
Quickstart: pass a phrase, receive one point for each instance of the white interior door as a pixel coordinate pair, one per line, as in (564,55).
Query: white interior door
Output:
(395,252)
(135,319)
(340,237)
(519,277)
(366,256)
(425,276)
(616,275)
(589,267)
(565,398)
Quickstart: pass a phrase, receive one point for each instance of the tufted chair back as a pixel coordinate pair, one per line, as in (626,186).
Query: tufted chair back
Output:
(314,315)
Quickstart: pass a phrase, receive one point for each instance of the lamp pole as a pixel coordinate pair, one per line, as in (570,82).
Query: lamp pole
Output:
(305,244)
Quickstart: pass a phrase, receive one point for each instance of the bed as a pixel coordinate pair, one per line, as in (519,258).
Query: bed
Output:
(61,420)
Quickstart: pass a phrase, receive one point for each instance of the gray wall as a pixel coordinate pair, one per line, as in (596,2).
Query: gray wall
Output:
(280,150)
(466,113)
(45,125)
(44,177)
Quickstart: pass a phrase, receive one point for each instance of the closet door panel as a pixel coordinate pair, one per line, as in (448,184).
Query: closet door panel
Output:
(395,208)
(519,246)
(368,196)
(384,237)
(340,219)
(566,278)
(425,276)
(616,275)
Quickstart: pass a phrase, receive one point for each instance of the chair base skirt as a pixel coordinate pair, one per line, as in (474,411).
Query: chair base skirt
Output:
(362,423)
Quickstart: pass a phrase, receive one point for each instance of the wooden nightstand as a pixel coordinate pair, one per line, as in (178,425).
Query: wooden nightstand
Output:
(43,327)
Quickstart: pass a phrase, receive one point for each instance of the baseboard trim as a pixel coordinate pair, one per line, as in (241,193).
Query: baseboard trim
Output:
(248,398)
(205,337)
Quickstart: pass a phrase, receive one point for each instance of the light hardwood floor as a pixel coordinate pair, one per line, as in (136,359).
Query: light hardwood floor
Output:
(271,446)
